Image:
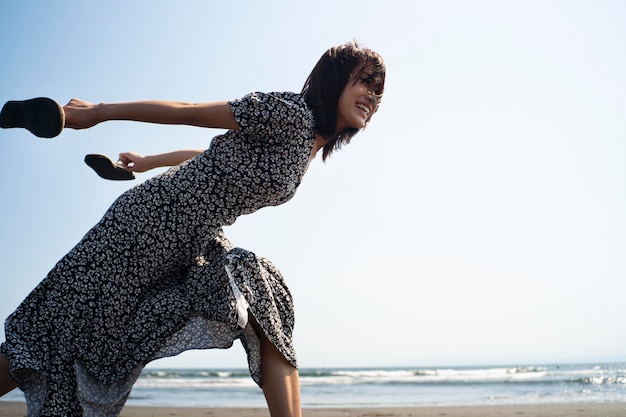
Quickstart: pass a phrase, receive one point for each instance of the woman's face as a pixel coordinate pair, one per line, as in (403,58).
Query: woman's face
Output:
(356,104)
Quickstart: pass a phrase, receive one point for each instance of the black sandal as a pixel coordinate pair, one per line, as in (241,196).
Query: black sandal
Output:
(42,116)
(107,169)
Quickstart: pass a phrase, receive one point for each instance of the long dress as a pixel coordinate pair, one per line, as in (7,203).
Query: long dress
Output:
(156,276)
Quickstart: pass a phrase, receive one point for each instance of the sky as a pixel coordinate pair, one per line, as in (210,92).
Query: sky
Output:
(479,219)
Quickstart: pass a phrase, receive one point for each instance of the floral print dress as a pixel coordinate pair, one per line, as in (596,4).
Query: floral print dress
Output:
(156,276)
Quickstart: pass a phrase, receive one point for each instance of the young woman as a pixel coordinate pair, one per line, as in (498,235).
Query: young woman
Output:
(156,276)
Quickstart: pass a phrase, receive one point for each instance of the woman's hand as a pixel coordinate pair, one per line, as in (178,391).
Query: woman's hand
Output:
(132,161)
(80,114)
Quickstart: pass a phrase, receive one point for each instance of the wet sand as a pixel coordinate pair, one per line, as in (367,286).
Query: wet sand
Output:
(17,409)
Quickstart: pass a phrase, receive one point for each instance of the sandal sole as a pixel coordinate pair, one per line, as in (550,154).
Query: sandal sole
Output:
(42,116)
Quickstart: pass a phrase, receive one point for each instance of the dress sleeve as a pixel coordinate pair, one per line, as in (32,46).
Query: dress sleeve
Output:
(271,117)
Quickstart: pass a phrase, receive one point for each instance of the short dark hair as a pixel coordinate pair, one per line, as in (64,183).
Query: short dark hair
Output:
(327,81)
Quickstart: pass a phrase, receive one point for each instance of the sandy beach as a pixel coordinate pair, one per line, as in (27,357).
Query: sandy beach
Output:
(16,409)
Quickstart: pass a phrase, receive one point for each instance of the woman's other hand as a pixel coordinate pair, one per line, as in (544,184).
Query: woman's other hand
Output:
(80,114)
(135,162)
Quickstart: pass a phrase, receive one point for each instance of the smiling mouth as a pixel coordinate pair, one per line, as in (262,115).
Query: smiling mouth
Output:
(364,108)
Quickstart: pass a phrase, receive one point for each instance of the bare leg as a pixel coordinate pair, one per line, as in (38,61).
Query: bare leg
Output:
(281,382)
(6,382)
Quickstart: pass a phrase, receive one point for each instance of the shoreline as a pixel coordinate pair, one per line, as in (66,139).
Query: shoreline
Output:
(616,409)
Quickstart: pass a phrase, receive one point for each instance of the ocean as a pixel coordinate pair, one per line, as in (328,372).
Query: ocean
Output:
(389,387)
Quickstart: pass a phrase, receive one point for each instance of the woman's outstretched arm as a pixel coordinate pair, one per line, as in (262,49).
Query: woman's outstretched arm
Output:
(132,161)
(80,114)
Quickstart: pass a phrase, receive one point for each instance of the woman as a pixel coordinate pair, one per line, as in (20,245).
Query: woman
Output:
(156,276)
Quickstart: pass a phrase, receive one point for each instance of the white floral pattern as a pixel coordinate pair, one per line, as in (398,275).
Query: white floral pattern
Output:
(149,279)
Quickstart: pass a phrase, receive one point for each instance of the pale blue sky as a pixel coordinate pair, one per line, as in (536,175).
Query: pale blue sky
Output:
(479,219)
